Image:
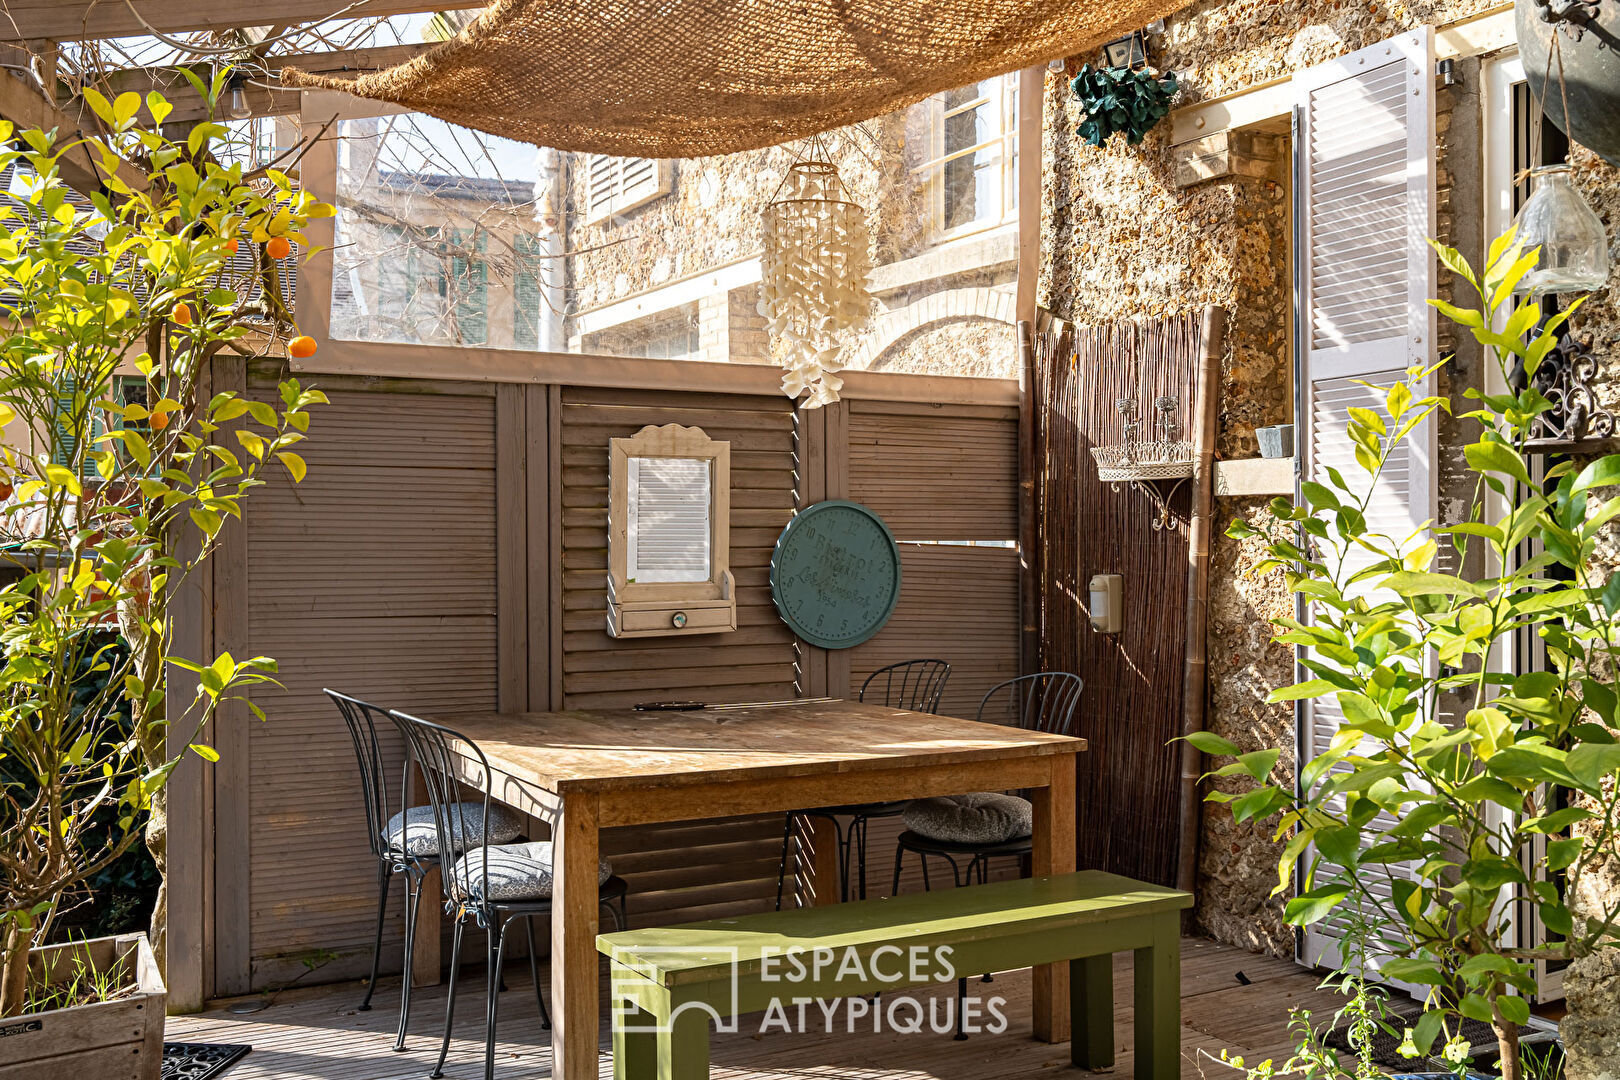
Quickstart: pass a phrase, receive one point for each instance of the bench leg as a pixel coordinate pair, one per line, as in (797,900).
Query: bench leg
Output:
(635,1053)
(683,1046)
(1158,1003)
(1091,1012)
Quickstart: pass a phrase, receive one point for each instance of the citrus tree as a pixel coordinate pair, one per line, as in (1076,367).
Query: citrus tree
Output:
(1419,826)
(119,471)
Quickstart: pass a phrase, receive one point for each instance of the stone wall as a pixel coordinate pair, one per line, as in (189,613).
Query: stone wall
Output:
(1120,239)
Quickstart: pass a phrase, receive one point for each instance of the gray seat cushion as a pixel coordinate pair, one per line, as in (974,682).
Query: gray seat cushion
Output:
(516,872)
(413,830)
(984,817)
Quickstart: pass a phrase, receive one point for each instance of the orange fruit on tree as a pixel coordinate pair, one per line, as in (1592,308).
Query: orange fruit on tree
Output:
(181,313)
(301,347)
(159,421)
(279,247)
(231,245)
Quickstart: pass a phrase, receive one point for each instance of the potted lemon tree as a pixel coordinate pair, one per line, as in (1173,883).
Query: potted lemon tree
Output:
(1420,818)
(119,470)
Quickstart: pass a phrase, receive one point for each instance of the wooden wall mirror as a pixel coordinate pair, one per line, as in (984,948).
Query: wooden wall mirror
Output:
(669,529)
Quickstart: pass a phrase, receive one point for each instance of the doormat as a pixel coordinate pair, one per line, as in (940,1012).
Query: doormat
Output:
(200,1061)
(1385,1047)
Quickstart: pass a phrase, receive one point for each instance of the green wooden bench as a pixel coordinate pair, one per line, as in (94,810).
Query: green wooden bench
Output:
(669,982)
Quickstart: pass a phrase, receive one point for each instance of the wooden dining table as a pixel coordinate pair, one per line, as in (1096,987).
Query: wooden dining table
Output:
(583,771)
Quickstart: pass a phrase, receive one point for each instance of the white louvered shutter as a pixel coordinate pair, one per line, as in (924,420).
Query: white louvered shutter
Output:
(668,526)
(1367,192)
(614,185)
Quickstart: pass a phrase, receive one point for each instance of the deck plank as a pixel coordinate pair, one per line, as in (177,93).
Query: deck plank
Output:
(316,1034)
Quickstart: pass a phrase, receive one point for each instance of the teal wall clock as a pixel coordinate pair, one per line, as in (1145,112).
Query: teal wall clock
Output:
(835,574)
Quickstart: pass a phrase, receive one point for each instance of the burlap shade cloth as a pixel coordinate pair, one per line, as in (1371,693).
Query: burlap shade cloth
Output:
(687,78)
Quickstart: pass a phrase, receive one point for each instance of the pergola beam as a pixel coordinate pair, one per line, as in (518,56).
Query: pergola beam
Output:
(189,107)
(76,20)
(79,168)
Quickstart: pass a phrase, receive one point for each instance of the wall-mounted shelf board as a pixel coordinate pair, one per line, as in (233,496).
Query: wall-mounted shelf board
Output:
(1255,476)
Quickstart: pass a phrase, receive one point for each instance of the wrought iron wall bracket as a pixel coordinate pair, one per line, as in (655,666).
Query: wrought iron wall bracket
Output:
(1160,496)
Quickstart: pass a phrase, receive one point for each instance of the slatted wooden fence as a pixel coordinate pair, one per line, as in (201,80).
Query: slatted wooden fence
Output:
(447,554)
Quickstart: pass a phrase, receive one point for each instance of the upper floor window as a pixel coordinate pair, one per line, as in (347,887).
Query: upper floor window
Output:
(971,171)
(614,185)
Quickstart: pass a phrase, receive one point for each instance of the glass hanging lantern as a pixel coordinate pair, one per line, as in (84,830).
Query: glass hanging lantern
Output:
(1574,246)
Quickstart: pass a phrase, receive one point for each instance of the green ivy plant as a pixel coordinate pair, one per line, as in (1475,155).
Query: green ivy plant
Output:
(1117,99)
(1432,819)
(113,498)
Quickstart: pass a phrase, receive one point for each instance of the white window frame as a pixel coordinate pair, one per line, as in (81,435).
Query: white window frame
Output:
(659,182)
(932,171)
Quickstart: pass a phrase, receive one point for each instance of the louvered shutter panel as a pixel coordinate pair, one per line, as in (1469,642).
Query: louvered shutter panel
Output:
(526,314)
(469,282)
(1367,191)
(668,531)
(67,436)
(614,185)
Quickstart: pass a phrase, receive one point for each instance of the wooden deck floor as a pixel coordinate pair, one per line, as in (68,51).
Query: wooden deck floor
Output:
(316,1034)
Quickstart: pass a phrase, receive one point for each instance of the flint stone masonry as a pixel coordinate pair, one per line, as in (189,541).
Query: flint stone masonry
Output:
(1124,234)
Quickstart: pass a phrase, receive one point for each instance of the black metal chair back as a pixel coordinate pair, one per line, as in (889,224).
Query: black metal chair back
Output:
(362,718)
(1045,701)
(440,754)
(910,684)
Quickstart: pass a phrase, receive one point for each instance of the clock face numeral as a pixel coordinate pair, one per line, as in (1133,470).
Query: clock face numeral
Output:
(835,575)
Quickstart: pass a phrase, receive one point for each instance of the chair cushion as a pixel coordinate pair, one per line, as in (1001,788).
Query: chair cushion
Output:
(984,817)
(516,872)
(413,830)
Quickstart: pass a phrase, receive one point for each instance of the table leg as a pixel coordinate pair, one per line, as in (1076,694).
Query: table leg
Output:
(1054,854)
(574,917)
(425,961)
(425,964)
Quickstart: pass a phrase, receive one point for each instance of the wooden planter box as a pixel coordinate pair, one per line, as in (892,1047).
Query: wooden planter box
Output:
(111,1040)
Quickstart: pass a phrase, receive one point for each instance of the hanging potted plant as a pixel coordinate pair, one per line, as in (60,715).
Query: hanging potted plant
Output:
(1412,822)
(1117,99)
(119,473)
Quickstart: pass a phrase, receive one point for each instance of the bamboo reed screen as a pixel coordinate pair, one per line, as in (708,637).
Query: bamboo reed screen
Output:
(1128,793)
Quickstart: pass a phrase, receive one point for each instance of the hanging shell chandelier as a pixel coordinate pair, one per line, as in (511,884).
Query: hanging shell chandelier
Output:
(813,277)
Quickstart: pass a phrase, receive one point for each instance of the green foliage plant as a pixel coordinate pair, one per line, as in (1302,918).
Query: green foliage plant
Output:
(1117,99)
(1413,821)
(114,498)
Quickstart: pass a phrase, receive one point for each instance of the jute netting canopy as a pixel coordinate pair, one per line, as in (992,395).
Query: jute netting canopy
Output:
(688,78)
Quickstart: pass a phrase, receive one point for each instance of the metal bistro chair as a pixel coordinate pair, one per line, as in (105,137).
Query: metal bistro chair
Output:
(403,842)
(910,684)
(1045,701)
(490,884)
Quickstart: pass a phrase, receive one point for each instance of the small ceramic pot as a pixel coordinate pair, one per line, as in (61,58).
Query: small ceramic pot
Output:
(1276,442)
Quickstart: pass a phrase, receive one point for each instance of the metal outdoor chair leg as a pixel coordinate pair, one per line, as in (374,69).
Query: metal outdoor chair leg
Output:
(534,973)
(413,900)
(383,876)
(450,996)
(497,955)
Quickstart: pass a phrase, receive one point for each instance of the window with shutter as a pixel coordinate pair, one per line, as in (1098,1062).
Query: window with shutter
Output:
(614,185)
(1365,159)
(526,296)
(469,284)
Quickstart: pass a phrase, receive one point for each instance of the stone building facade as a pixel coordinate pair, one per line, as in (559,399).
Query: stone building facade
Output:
(667,253)
(1125,236)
